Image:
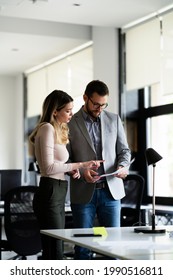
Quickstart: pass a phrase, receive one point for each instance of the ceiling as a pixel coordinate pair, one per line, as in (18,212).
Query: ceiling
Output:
(35,31)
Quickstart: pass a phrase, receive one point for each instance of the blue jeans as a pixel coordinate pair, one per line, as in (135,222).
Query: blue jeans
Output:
(108,215)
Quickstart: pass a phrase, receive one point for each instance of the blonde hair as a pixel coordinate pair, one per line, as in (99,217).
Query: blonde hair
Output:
(56,100)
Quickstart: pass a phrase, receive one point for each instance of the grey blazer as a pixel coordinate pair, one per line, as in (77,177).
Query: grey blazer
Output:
(115,151)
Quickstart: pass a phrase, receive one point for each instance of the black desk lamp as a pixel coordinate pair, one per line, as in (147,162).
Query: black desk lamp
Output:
(152,157)
(33,166)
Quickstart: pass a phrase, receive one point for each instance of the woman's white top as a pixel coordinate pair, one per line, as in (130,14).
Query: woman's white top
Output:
(51,157)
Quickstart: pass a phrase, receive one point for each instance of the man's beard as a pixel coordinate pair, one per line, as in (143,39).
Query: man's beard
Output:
(94,114)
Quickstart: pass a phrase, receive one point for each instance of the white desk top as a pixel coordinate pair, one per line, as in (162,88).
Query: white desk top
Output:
(122,243)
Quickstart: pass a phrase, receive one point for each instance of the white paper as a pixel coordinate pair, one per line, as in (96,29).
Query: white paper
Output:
(118,171)
(110,174)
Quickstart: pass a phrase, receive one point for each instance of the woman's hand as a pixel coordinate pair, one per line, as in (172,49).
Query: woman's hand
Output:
(75,174)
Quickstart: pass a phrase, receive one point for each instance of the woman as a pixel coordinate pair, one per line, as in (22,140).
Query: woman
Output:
(50,138)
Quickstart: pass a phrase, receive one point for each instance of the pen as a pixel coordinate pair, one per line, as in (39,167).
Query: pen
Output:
(86,235)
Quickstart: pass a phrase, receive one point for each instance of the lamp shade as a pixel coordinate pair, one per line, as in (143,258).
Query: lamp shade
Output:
(152,156)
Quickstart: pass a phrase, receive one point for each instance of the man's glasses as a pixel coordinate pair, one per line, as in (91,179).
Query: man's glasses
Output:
(97,105)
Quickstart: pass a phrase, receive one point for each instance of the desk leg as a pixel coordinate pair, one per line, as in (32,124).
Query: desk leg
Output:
(52,248)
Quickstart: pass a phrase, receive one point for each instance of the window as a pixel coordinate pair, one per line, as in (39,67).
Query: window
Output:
(158,97)
(147,100)
(160,130)
(70,74)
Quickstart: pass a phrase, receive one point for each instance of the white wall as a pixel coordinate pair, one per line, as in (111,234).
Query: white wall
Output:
(11,122)
(105,59)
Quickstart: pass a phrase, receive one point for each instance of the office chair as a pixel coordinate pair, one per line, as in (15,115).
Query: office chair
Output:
(131,203)
(20,223)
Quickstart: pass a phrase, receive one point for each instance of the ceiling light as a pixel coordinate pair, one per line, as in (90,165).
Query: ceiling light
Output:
(15,49)
(76,4)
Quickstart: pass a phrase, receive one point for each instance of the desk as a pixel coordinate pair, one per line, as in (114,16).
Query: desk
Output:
(122,243)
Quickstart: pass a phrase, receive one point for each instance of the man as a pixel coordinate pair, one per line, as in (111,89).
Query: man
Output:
(97,134)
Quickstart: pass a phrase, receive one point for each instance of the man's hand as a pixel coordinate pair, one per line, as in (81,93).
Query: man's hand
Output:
(90,176)
(122,174)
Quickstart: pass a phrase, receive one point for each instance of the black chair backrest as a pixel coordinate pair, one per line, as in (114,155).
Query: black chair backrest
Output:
(9,179)
(134,187)
(21,226)
(131,202)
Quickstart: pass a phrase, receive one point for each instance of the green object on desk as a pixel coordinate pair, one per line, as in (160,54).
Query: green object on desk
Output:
(100,230)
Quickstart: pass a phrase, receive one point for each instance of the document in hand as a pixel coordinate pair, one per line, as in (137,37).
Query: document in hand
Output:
(117,171)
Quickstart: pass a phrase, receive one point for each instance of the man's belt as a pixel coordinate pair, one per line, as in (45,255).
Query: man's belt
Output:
(101,185)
